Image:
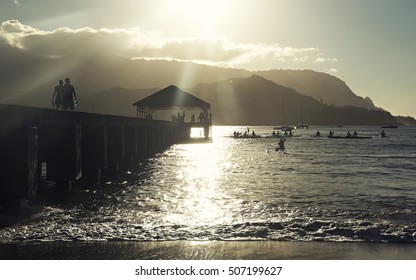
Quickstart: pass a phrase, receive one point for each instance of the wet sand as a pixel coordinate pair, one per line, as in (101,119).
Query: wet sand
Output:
(207,250)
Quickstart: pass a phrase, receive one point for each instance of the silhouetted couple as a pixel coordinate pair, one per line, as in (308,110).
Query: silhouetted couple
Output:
(64,95)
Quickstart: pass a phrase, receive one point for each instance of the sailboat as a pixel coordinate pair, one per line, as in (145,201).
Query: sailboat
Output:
(284,127)
(301,124)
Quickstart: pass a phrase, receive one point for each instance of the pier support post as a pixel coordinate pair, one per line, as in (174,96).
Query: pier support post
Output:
(95,151)
(206,131)
(116,147)
(150,140)
(60,148)
(19,167)
(131,144)
(141,142)
(32,163)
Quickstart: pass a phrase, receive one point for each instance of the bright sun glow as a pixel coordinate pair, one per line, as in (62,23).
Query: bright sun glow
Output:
(199,14)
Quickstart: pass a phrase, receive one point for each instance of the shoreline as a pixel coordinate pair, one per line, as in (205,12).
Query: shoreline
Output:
(206,250)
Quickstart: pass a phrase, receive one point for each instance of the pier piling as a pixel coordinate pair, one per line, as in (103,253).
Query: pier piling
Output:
(72,146)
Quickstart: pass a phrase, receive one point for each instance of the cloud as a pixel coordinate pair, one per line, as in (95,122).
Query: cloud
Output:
(16,2)
(138,43)
(14,27)
(325,60)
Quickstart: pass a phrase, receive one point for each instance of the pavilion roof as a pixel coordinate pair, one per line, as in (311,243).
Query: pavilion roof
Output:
(172,97)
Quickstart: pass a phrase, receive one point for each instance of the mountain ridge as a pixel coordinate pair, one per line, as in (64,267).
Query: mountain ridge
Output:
(29,80)
(258,101)
(319,85)
(27,76)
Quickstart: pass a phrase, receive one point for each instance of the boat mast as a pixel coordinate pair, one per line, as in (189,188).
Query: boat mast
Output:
(301,111)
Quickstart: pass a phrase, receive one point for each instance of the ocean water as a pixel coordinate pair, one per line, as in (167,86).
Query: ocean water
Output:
(321,189)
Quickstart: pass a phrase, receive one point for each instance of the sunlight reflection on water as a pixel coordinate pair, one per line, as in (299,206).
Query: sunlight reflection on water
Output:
(198,197)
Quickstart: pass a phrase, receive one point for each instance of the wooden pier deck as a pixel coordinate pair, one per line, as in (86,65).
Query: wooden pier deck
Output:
(73,145)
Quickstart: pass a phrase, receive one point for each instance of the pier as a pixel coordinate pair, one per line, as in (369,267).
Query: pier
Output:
(66,146)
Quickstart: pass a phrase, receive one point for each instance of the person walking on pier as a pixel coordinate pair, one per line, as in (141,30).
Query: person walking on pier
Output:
(69,96)
(57,95)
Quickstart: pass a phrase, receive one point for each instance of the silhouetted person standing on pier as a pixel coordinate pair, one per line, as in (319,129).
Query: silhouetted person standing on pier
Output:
(57,95)
(69,96)
(201,117)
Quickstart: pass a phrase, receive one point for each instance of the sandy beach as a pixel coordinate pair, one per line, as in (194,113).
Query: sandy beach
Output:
(207,250)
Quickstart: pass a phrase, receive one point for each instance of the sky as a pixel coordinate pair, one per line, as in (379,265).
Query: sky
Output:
(369,44)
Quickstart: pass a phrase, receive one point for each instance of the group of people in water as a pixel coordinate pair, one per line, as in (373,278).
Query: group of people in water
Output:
(64,95)
(246,133)
(349,135)
(285,133)
(281,144)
